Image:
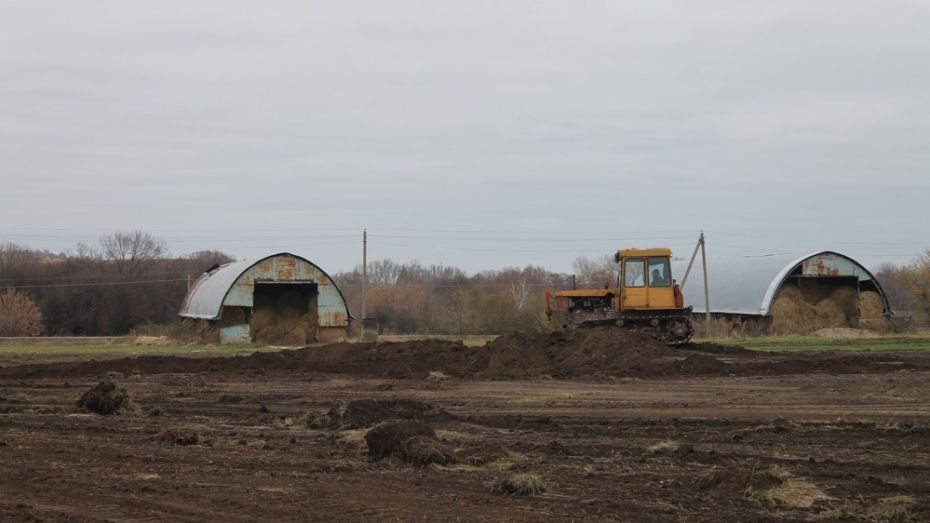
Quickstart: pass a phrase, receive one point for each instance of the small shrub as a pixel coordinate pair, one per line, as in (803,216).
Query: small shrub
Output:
(19,315)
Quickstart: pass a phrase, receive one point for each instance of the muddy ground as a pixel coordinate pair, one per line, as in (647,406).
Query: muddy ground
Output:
(702,433)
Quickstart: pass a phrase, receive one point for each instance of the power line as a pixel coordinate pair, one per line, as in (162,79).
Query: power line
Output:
(97,284)
(101,276)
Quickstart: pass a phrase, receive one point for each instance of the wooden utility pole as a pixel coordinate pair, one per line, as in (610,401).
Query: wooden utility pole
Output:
(700,245)
(364,275)
(706,294)
(693,256)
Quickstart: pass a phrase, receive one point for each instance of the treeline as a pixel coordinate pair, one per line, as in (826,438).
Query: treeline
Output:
(125,281)
(410,298)
(908,288)
(129,280)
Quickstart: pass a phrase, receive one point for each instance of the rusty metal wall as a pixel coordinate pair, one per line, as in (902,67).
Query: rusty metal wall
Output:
(333,311)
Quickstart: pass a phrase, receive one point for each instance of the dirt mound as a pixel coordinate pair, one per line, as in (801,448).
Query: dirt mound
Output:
(105,399)
(368,412)
(585,352)
(411,441)
(575,354)
(582,354)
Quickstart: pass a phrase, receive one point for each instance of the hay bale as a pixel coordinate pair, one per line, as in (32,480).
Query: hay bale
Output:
(828,313)
(105,399)
(786,310)
(819,305)
(871,305)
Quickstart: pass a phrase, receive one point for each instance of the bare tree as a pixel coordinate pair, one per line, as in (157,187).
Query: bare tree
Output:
(209,258)
(596,272)
(920,285)
(130,250)
(520,290)
(16,260)
(383,272)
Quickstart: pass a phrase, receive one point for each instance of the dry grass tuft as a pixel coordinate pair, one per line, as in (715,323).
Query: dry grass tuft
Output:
(180,436)
(789,490)
(437,376)
(521,485)
(663,447)
(894,509)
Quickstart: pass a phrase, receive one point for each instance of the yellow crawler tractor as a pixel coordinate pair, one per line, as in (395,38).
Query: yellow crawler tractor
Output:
(646,299)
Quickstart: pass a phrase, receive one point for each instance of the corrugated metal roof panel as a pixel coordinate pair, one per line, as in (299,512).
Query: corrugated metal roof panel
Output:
(205,299)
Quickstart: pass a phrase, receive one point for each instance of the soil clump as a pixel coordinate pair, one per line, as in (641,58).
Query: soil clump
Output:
(410,441)
(105,399)
(179,436)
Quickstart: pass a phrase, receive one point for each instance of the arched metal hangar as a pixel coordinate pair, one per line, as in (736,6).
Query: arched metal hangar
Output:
(788,293)
(282,299)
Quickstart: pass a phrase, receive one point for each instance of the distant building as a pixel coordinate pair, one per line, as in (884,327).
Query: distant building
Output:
(786,293)
(282,299)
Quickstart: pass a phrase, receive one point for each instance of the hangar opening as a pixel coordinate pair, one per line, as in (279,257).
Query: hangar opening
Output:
(284,313)
(282,299)
(787,294)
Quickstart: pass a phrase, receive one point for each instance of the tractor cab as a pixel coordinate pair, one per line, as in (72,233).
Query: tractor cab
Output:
(646,279)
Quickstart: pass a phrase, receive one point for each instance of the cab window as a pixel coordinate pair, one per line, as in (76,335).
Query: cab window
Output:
(659,272)
(633,275)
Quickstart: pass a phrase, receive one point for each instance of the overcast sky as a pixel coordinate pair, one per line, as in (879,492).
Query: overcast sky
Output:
(479,134)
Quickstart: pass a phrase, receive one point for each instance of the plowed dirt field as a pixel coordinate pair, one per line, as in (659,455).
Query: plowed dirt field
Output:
(617,430)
